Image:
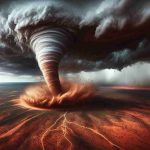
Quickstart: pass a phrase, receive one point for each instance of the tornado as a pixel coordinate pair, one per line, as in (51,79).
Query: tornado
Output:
(49,46)
(104,39)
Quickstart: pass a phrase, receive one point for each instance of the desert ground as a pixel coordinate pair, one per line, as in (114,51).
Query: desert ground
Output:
(117,118)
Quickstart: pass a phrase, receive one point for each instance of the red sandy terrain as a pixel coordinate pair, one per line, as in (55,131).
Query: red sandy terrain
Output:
(113,119)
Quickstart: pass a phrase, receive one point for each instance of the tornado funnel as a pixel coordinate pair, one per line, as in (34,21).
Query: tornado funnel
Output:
(49,45)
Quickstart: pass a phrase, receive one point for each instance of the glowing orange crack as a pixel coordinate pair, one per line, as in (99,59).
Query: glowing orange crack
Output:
(97,133)
(65,130)
(63,127)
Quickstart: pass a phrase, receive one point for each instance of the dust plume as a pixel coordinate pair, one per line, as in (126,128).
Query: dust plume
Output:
(39,97)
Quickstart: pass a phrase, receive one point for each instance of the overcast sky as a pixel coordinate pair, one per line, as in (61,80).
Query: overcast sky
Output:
(121,26)
(137,74)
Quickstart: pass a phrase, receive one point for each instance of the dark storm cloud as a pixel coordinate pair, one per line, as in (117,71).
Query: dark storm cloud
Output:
(118,58)
(19,65)
(110,34)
